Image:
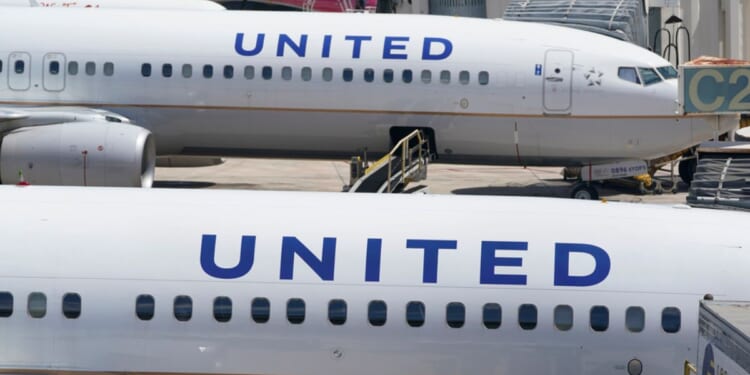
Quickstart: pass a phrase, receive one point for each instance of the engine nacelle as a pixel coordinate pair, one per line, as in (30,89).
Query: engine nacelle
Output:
(79,153)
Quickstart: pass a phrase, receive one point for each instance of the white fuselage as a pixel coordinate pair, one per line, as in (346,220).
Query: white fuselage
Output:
(337,84)
(110,246)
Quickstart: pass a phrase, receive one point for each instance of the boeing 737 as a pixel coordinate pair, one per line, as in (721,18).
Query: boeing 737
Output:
(153,281)
(91,104)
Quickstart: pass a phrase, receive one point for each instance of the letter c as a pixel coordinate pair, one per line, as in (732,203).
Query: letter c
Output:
(693,90)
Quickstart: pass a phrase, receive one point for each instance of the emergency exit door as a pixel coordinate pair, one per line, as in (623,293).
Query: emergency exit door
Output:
(53,77)
(19,71)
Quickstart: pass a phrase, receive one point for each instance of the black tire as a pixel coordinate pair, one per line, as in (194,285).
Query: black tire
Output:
(584,191)
(687,169)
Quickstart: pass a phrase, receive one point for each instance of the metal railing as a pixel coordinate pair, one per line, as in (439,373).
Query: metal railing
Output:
(411,153)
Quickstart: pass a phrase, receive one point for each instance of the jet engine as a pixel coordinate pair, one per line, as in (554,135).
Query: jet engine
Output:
(89,153)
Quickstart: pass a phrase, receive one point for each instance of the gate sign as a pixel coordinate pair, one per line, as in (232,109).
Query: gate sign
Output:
(715,89)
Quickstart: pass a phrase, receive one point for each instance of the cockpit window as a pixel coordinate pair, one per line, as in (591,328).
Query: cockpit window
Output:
(628,74)
(649,76)
(668,72)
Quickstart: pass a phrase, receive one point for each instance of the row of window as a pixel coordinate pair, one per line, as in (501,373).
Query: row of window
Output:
(19,67)
(377,312)
(267,72)
(37,305)
(326,74)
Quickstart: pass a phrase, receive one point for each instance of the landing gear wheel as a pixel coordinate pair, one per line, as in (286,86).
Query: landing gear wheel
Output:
(583,190)
(655,188)
(687,169)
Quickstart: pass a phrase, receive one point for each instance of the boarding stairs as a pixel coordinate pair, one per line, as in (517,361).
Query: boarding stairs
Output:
(721,179)
(405,163)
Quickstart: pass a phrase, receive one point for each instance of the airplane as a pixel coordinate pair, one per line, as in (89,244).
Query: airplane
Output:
(323,85)
(159,281)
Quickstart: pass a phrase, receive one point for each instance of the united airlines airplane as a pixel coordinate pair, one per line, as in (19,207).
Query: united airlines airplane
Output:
(89,97)
(153,281)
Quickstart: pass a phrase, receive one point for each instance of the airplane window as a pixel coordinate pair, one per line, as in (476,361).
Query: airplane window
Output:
(527,316)
(71,305)
(249,72)
(187,70)
(54,68)
(20,66)
(73,68)
(37,305)
(1,66)
(406,76)
(146,70)
(628,74)
(348,74)
(492,315)
(261,310)
(445,76)
(484,78)
(415,313)
(388,75)
(228,71)
(183,308)
(144,307)
(635,319)
(109,69)
(670,320)
(90,68)
(286,73)
(166,70)
(337,311)
(455,314)
(327,74)
(306,73)
(463,77)
(668,72)
(649,76)
(222,309)
(369,75)
(599,318)
(377,312)
(563,317)
(267,72)
(6,304)
(295,311)
(426,76)
(208,71)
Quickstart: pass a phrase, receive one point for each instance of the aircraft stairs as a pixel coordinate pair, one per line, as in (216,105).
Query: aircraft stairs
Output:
(405,163)
(722,177)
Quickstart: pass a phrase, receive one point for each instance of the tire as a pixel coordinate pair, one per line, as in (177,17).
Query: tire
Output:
(584,191)
(687,169)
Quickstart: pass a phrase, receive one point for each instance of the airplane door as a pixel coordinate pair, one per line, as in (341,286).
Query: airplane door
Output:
(53,77)
(558,80)
(19,71)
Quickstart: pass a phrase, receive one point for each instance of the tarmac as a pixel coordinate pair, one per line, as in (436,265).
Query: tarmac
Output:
(332,175)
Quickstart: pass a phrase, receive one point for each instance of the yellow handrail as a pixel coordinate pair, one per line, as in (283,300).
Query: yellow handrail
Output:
(404,155)
(689,368)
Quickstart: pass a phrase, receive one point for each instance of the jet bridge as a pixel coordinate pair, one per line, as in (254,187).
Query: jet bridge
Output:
(405,163)
(722,176)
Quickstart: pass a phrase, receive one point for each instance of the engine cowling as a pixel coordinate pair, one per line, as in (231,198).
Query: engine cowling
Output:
(79,153)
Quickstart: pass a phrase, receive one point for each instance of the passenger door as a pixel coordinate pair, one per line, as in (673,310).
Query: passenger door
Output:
(558,81)
(53,77)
